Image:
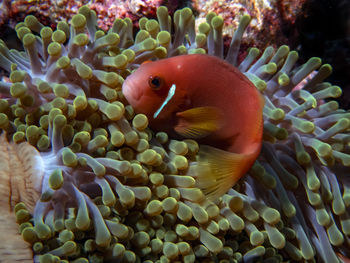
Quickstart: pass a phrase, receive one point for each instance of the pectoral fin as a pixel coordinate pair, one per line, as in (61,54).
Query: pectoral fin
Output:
(198,122)
(217,170)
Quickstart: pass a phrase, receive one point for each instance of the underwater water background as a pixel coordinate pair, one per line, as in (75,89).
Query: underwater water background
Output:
(324,31)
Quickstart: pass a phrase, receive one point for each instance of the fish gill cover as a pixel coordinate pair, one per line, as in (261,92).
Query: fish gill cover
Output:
(99,186)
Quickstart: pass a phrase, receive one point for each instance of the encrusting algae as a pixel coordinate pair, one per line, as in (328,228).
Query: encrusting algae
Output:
(112,190)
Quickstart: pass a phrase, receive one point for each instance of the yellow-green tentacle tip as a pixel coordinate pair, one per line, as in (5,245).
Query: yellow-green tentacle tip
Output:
(245,20)
(114,112)
(66,235)
(83,70)
(46,33)
(56,179)
(18,90)
(32,134)
(276,114)
(83,221)
(61,90)
(99,34)
(117,138)
(98,141)
(59,36)
(22,31)
(28,40)
(17,76)
(63,62)
(148,44)
(59,103)
(130,54)
(29,235)
(38,247)
(22,215)
(33,23)
(27,100)
(303,126)
(152,27)
(46,196)
(78,21)
(283,79)
(201,40)
(322,149)
(43,231)
(111,79)
(103,236)
(80,103)
(111,39)
(54,49)
(108,196)
(20,206)
(48,258)
(62,25)
(66,249)
(164,38)
(336,238)
(204,28)
(80,260)
(4,105)
(59,121)
(271,215)
(81,39)
(44,87)
(84,10)
(277,132)
(160,52)
(4,121)
(82,138)
(141,36)
(154,208)
(43,143)
(140,122)
(69,158)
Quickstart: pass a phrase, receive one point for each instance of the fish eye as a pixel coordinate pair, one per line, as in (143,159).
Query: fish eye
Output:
(155,82)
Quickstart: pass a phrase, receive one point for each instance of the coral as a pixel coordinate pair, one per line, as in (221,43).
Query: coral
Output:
(272,21)
(134,9)
(50,12)
(111,189)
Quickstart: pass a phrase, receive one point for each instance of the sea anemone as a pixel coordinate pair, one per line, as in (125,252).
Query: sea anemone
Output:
(111,189)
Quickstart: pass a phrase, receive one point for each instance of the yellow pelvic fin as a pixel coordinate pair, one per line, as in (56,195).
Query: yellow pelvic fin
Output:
(198,122)
(217,170)
(146,61)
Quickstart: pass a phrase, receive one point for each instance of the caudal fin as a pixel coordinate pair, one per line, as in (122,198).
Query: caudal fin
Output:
(217,170)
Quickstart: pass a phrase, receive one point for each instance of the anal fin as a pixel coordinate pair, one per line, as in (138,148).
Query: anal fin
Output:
(218,170)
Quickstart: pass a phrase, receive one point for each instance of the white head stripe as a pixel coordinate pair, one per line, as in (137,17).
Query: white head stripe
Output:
(170,95)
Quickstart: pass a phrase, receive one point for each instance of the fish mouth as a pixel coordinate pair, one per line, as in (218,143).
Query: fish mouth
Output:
(130,90)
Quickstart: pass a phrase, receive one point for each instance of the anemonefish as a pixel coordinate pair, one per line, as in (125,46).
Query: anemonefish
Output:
(205,98)
(343,258)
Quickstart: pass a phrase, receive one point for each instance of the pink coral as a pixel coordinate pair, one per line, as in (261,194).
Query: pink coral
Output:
(268,18)
(134,9)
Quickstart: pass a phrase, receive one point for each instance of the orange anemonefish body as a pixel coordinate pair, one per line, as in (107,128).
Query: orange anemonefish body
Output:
(205,98)
(343,258)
